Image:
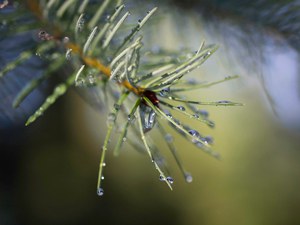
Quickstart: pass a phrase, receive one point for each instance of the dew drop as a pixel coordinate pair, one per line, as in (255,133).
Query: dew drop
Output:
(188,178)
(177,121)
(104,164)
(91,79)
(131,118)
(203,113)
(181,108)
(196,116)
(207,54)
(164,92)
(111,118)
(117,107)
(79,82)
(170,180)
(192,81)
(102,177)
(194,133)
(161,178)
(223,102)
(169,138)
(66,40)
(60,90)
(168,114)
(100,192)
(208,139)
(50,100)
(68,54)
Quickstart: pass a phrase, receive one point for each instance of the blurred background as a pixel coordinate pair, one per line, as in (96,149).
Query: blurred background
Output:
(48,171)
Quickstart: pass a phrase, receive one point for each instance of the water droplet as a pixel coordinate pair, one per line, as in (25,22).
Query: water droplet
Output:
(91,79)
(124,139)
(44,36)
(104,164)
(80,24)
(208,139)
(203,113)
(164,92)
(111,118)
(148,117)
(181,108)
(196,116)
(79,82)
(168,114)
(224,102)
(170,180)
(50,100)
(117,107)
(139,20)
(161,178)
(102,177)
(100,192)
(177,121)
(188,178)
(207,54)
(66,40)
(199,144)
(191,81)
(131,118)
(68,54)
(60,89)
(169,138)
(194,133)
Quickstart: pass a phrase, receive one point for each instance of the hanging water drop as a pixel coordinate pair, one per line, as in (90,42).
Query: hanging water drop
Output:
(169,138)
(100,192)
(188,178)
(66,40)
(104,164)
(102,177)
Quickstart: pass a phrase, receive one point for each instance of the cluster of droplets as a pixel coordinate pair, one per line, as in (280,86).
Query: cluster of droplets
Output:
(169,179)
(86,81)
